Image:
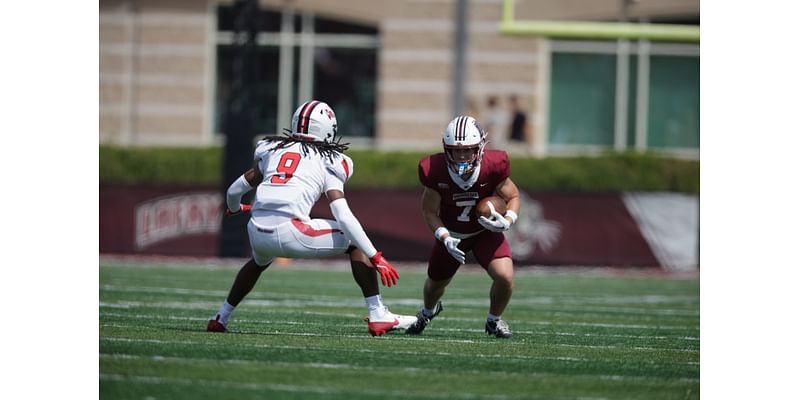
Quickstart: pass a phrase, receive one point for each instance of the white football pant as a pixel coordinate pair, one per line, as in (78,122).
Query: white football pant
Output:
(316,238)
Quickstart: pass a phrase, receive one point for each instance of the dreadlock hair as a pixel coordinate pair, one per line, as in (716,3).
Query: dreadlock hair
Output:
(326,149)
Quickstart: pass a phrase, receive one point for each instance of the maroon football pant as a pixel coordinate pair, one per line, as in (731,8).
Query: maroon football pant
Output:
(485,246)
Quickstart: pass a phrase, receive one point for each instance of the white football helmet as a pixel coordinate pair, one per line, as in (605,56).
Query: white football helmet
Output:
(463,142)
(314,121)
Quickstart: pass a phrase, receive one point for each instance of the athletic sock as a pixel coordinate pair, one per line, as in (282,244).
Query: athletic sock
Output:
(493,318)
(374,302)
(375,306)
(225,312)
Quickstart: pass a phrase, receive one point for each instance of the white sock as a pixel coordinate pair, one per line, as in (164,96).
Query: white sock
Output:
(225,312)
(493,318)
(374,302)
(375,306)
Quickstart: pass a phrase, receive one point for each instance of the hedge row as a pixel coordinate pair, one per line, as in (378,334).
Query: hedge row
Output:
(606,173)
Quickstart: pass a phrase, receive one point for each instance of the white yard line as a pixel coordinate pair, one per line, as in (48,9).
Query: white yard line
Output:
(357,303)
(300,388)
(561,299)
(412,353)
(338,301)
(382,367)
(312,323)
(211,307)
(332,264)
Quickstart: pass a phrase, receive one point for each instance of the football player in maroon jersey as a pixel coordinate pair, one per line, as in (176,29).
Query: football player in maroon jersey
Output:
(455,181)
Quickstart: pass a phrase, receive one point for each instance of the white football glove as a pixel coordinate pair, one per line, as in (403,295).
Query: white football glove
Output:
(498,223)
(451,243)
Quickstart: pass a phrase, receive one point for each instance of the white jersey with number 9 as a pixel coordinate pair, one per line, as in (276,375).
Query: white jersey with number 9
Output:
(294,180)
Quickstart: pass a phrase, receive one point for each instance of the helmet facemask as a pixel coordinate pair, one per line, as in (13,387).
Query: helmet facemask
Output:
(463,143)
(463,159)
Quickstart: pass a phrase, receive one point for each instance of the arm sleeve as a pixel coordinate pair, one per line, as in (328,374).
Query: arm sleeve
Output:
(235,192)
(351,227)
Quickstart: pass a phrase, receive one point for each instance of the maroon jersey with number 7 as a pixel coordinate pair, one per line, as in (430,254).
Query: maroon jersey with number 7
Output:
(457,208)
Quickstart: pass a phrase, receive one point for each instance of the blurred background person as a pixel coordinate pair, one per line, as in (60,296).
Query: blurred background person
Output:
(519,133)
(494,122)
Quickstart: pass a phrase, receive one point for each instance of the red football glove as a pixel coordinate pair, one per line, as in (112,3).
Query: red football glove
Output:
(389,275)
(243,208)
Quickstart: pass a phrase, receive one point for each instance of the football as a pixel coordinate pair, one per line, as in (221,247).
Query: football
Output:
(483,207)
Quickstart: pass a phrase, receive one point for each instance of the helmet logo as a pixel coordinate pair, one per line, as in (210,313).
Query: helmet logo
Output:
(329,112)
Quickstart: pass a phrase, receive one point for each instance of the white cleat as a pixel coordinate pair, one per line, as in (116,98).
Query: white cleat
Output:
(405,321)
(388,321)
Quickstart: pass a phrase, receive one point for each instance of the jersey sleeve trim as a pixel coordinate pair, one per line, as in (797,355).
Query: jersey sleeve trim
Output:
(424,171)
(346,169)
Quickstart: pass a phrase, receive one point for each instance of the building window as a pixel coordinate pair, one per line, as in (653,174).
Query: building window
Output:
(582,99)
(661,97)
(329,60)
(345,78)
(674,110)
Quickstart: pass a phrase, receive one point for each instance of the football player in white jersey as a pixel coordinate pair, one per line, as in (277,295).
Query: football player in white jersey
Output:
(291,172)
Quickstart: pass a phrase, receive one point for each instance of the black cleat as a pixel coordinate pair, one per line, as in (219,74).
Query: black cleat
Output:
(422,320)
(499,329)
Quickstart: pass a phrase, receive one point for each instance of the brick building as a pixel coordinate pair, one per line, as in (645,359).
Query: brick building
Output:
(167,68)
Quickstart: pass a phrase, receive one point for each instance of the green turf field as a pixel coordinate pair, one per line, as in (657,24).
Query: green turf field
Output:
(299,335)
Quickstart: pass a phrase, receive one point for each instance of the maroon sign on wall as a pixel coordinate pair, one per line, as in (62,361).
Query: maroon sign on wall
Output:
(169,220)
(553,228)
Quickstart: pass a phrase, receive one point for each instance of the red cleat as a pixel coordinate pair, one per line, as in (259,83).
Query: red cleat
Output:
(215,326)
(388,321)
(379,328)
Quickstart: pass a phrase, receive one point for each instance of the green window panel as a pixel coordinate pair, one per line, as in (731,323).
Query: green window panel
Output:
(582,99)
(674,111)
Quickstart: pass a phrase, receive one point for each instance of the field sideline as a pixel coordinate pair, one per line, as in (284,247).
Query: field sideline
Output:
(299,335)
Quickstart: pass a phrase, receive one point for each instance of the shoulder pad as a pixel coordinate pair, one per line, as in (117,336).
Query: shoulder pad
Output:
(424,170)
(262,148)
(499,163)
(341,166)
